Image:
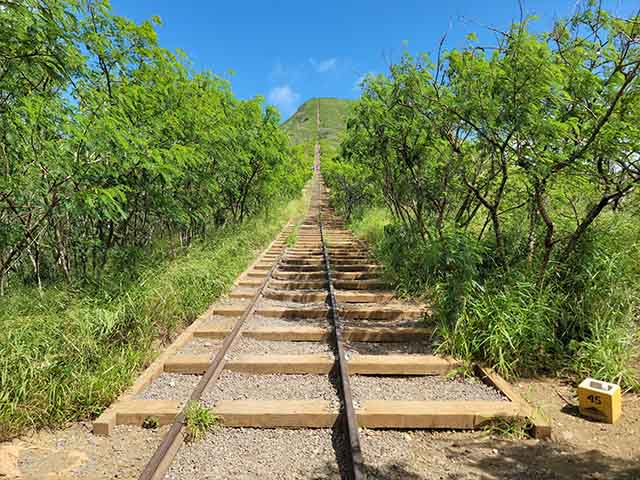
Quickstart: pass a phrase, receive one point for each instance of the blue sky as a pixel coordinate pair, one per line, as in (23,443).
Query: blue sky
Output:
(290,51)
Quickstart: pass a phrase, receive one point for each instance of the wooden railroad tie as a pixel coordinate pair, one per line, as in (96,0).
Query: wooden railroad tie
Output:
(394,414)
(318,364)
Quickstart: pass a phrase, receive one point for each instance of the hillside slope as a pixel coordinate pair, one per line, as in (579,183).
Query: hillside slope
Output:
(301,126)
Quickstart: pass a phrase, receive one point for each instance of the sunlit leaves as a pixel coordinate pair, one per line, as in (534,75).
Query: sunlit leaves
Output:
(124,142)
(539,130)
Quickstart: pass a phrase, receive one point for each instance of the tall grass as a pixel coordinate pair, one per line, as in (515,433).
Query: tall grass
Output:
(68,354)
(511,328)
(607,274)
(369,224)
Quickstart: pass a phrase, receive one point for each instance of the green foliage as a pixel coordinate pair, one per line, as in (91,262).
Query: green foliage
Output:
(606,276)
(466,370)
(584,323)
(199,420)
(133,190)
(351,187)
(415,264)
(109,142)
(510,173)
(292,238)
(69,354)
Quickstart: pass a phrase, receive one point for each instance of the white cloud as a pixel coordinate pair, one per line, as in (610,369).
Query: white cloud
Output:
(324,66)
(284,98)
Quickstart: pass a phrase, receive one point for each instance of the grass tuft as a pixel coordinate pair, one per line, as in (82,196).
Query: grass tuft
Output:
(199,420)
(151,422)
(509,428)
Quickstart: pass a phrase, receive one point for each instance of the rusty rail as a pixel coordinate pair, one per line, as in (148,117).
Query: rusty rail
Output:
(356,464)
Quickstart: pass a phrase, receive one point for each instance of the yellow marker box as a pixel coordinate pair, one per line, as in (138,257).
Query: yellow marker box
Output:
(600,401)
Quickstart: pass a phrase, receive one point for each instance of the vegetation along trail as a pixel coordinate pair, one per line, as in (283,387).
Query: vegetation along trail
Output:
(408,285)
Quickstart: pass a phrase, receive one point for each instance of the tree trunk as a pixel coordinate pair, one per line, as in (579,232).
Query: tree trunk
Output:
(589,219)
(34,256)
(531,237)
(548,238)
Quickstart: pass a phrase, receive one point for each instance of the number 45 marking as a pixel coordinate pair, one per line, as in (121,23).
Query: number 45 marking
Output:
(595,399)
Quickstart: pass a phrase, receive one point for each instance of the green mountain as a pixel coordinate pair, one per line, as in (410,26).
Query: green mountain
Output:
(302,127)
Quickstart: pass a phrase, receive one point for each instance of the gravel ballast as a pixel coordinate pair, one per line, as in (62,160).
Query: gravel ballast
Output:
(269,303)
(388,455)
(240,386)
(387,348)
(246,345)
(200,346)
(430,387)
(170,386)
(464,455)
(258,321)
(361,323)
(247,453)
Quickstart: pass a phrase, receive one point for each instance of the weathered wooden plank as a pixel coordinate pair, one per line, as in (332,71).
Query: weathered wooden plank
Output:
(280,275)
(213,331)
(541,425)
(263,266)
(363,297)
(275,413)
(230,309)
(382,312)
(386,334)
(305,262)
(289,334)
(318,312)
(243,293)
(297,284)
(357,267)
(401,364)
(296,296)
(356,276)
(255,274)
(188,364)
(458,414)
(359,284)
(134,412)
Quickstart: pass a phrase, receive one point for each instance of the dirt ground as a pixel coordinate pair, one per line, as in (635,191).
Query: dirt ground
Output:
(578,449)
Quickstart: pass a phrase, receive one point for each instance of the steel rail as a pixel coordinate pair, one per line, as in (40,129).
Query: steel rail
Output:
(172,440)
(356,463)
